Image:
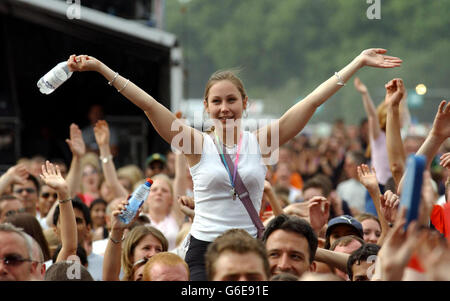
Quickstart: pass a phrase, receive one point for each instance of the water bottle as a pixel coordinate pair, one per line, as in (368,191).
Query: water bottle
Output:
(54,78)
(135,202)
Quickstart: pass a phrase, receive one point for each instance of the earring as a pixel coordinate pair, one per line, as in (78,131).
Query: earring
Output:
(245,114)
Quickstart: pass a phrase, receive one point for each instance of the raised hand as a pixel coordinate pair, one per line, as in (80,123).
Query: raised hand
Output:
(360,87)
(367,177)
(51,176)
(83,63)
(441,124)
(76,142)
(375,57)
(116,224)
(395,92)
(445,160)
(318,217)
(101,132)
(187,205)
(389,203)
(17,174)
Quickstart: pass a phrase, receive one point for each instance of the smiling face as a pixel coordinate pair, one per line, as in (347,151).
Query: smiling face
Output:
(147,247)
(288,252)
(225,103)
(372,230)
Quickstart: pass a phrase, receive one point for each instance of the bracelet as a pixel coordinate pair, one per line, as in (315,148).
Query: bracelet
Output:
(340,82)
(112,81)
(64,201)
(124,86)
(106,159)
(116,241)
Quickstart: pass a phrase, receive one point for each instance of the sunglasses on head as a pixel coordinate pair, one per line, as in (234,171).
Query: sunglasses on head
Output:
(12,212)
(15,260)
(88,173)
(28,190)
(46,195)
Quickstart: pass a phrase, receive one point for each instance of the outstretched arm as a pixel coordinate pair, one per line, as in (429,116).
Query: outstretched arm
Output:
(101,132)
(73,179)
(369,107)
(179,188)
(395,91)
(69,241)
(164,121)
(295,119)
(439,132)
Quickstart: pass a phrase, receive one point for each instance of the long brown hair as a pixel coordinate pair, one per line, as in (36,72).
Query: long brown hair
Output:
(132,240)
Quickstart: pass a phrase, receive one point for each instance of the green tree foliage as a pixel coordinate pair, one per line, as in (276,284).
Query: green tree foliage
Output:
(286,48)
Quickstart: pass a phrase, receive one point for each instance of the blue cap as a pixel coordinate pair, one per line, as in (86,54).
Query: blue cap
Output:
(345,220)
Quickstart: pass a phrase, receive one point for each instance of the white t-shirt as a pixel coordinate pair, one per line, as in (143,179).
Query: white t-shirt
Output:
(354,193)
(215,209)
(95,266)
(169,227)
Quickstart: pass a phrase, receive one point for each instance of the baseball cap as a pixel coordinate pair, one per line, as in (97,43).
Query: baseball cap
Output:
(345,220)
(156,157)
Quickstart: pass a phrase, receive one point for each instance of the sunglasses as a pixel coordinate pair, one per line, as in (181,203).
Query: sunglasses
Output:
(12,212)
(46,195)
(15,260)
(88,173)
(28,190)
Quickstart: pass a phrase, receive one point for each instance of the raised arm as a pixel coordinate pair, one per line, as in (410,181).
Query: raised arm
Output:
(69,241)
(78,149)
(113,251)
(112,257)
(179,188)
(369,107)
(368,178)
(274,203)
(101,132)
(395,91)
(295,119)
(164,121)
(438,134)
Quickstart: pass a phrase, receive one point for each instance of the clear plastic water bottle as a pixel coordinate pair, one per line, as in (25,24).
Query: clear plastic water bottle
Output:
(135,202)
(54,78)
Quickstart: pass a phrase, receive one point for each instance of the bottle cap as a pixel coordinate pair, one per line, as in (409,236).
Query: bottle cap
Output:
(149,181)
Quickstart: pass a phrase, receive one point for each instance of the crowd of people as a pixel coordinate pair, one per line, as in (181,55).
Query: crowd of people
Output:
(330,208)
